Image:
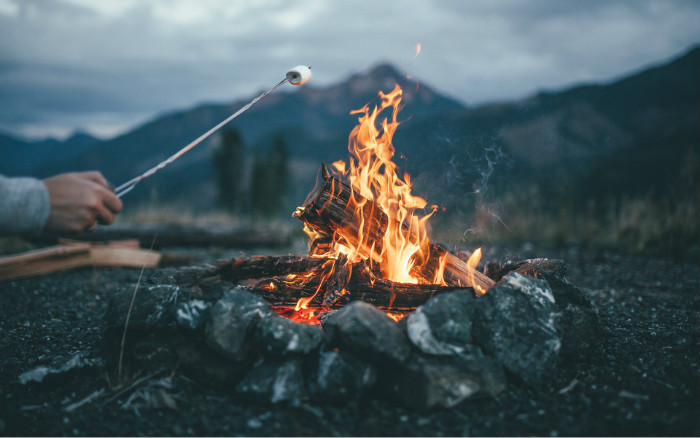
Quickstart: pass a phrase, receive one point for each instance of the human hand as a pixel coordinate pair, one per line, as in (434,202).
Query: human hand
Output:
(79,201)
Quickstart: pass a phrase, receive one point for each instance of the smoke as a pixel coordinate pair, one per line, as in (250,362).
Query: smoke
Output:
(458,171)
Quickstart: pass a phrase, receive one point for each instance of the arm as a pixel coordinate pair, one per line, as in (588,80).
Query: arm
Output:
(79,201)
(70,202)
(24,205)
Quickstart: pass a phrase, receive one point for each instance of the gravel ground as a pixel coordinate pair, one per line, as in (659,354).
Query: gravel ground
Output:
(644,379)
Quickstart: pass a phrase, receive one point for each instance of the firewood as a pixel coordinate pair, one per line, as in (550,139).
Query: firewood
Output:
(266,266)
(332,211)
(336,284)
(73,255)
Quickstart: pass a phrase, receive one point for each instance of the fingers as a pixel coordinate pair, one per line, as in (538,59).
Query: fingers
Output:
(112,202)
(96,177)
(107,206)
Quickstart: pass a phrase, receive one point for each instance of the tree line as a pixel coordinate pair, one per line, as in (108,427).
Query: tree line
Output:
(256,185)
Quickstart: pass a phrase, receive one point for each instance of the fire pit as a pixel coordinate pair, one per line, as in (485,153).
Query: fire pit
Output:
(374,308)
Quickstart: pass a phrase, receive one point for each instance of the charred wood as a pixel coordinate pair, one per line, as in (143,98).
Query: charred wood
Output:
(333,211)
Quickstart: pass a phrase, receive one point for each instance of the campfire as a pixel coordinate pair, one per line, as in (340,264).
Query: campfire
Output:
(368,233)
(374,307)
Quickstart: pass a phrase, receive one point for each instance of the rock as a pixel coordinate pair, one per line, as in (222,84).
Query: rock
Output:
(281,337)
(428,382)
(60,367)
(207,366)
(442,326)
(542,268)
(341,376)
(578,324)
(192,314)
(579,329)
(368,332)
(538,268)
(515,323)
(154,308)
(232,322)
(274,381)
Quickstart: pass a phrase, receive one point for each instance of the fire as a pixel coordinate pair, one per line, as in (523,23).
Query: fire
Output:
(373,176)
(472,262)
(418,47)
(389,227)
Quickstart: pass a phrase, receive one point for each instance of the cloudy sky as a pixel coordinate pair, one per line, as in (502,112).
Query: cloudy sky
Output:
(107,65)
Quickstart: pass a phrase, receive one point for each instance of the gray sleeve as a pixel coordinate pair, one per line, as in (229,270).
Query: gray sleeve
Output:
(24,206)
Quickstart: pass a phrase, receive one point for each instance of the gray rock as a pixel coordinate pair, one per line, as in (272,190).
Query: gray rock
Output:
(274,382)
(232,322)
(207,366)
(428,382)
(192,314)
(580,330)
(577,322)
(60,367)
(281,337)
(515,323)
(442,326)
(154,308)
(341,376)
(368,332)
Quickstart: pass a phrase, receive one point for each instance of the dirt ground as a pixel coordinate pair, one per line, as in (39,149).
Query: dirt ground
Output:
(644,379)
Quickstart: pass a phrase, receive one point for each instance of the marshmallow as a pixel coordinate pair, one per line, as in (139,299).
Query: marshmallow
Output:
(299,75)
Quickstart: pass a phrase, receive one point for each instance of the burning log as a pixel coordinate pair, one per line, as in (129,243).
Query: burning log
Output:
(267,266)
(332,211)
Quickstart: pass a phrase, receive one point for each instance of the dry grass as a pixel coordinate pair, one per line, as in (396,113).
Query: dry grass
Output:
(640,225)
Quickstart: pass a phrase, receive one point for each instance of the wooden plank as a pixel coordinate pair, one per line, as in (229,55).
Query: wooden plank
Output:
(74,254)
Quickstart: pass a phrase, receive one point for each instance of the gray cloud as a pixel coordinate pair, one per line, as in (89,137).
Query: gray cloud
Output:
(110,64)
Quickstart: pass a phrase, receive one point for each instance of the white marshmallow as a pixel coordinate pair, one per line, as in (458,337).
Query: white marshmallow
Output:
(299,75)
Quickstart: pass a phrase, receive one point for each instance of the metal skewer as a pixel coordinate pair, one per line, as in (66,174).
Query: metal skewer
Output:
(293,77)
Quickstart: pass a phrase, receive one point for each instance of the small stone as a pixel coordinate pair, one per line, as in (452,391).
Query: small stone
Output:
(368,332)
(442,326)
(60,367)
(281,337)
(428,382)
(207,366)
(232,321)
(341,376)
(274,382)
(192,314)
(515,323)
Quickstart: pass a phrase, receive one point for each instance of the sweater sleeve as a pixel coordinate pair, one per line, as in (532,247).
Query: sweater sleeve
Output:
(24,205)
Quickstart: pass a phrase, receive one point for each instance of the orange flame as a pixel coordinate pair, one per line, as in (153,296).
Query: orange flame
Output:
(372,175)
(472,262)
(418,47)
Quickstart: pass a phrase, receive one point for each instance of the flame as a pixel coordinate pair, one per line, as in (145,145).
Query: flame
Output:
(402,253)
(472,262)
(373,177)
(418,47)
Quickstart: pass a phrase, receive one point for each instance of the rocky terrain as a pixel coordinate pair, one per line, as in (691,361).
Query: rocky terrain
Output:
(642,379)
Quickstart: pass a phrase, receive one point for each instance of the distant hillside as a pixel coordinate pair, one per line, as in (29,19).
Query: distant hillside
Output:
(315,123)
(21,158)
(615,154)
(630,136)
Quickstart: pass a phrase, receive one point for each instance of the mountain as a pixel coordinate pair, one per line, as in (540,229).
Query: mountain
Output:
(315,123)
(638,134)
(20,158)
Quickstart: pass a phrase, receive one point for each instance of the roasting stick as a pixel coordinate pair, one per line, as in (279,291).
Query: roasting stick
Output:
(297,76)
